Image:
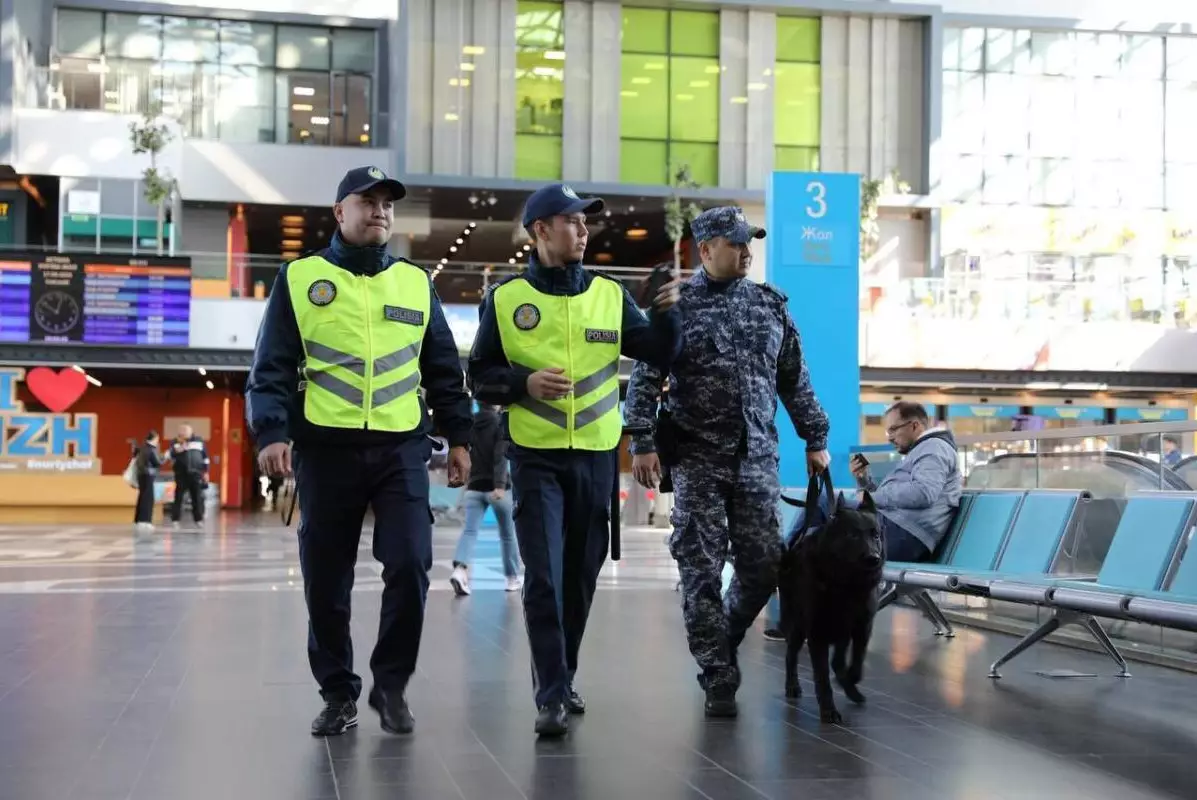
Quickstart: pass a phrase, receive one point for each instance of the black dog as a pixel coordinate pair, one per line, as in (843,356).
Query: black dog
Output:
(828,591)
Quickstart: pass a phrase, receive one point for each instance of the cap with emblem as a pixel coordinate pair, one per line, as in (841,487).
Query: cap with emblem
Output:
(726,221)
(558,198)
(363,179)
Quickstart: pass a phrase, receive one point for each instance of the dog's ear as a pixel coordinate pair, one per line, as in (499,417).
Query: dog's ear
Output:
(866,503)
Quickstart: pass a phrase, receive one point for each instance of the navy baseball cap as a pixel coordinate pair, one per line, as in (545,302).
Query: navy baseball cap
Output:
(558,198)
(725,221)
(363,179)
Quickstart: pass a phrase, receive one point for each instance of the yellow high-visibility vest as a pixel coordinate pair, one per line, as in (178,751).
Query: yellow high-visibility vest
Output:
(361,336)
(580,334)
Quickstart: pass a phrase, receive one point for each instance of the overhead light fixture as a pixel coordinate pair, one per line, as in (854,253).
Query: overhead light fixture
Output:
(78,369)
(654,65)
(453,249)
(303,91)
(460,240)
(292,219)
(451,117)
(757,87)
(209,384)
(444,261)
(93,380)
(301,106)
(738,100)
(466,66)
(527,247)
(685,97)
(640,80)
(291,244)
(699,84)
(473,225)
(319,120)
(364,138)
(636,233)
(511,261)
(544,71)
(629,93)
(202,372)
(462,82)
(292,231)
(473,50)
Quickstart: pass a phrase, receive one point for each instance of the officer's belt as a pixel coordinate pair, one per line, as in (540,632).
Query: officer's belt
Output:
(382,365)
(592,412)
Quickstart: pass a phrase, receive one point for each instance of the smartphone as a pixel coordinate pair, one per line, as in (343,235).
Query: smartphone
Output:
(860,459)
(661,275)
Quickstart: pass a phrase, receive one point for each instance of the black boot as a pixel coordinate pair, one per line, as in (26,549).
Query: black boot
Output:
(392,710)
(339,715)
(574,703)
(552,721)
(721,702)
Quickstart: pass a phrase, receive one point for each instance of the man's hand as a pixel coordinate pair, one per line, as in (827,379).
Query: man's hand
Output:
(668,296)
(497,495)
(817,461)
(275,459)
(459,466)
(646,469)
(549,384)
(859,467)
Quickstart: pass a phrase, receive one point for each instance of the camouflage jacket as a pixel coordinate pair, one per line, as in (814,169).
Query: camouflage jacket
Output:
(740,352)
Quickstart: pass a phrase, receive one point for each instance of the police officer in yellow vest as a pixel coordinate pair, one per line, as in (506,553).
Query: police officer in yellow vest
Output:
(350,336)
(548,348)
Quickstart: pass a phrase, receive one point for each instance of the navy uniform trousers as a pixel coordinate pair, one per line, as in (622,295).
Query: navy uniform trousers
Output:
(336,485)
(721,504)
(562,521)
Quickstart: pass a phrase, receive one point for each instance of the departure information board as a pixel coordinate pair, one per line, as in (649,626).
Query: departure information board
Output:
(95,299)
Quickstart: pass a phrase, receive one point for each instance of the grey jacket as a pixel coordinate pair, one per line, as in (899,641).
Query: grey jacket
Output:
(921,494)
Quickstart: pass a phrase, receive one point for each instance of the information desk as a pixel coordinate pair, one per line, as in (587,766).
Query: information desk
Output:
(92,298)
(32,497)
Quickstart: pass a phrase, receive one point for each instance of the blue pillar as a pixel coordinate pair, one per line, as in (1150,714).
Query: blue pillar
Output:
(814,257)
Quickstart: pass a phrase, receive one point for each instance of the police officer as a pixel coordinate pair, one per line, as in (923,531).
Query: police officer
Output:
(350,335)
(548,348)
(740,351)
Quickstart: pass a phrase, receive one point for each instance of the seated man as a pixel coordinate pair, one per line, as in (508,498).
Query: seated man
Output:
(915,501)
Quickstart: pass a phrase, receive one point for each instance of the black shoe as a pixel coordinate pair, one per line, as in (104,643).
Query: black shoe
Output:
(552,721)
(721,702)
(392,710)
(774,635)
(574,703)
(337,717)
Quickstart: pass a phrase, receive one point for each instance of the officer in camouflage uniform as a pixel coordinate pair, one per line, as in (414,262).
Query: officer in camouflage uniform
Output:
(740,351)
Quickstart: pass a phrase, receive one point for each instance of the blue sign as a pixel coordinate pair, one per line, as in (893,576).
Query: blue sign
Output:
(983,411)
(1079,413)
(813,248)
(1151,414)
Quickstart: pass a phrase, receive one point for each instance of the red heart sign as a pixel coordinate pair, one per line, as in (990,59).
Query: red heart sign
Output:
(57,391)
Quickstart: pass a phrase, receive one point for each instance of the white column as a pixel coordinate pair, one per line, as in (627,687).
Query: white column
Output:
(504,131)
(576,127)
(605,83)
(762,56)
(449,103)
(733,80)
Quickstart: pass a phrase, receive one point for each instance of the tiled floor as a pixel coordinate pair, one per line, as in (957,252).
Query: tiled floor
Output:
(173,668)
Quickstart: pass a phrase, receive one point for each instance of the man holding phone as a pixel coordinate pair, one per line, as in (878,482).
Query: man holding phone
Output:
(741,352)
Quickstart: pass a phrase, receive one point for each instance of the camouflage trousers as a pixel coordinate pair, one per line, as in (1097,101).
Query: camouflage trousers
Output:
(720,505)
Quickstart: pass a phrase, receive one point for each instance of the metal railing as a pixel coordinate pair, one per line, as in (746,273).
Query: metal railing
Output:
(1117,297)
(206,105)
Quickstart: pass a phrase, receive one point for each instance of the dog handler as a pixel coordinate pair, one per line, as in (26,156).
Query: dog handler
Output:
(548,348)
(740,351)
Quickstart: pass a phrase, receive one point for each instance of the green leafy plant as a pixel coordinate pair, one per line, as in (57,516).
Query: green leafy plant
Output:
(151,134)
(871,191)
(680,212)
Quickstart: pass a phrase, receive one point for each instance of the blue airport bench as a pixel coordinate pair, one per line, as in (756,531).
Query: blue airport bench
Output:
(1143,578)
(974,541)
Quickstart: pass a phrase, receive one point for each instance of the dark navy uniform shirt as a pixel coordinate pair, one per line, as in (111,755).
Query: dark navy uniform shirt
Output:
(654,338)
(274,404)
(740,352)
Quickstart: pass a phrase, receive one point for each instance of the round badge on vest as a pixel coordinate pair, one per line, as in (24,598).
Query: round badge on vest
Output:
(322,292)
(527,317)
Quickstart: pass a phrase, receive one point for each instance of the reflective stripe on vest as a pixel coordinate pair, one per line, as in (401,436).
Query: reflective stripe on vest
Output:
(580,334)
(361,339)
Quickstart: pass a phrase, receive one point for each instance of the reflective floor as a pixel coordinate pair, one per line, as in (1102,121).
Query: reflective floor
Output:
(173,667)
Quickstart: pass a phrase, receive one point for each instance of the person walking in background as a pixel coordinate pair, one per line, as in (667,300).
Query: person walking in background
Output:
(190,462)
(487,488)
(149,461)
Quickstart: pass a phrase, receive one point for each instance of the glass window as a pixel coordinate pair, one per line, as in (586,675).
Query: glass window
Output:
(1099,55)
(645,30)
(1142,184)
(1052,53)
(1181,121)
(308,106)
(799,39)
(963,177)
(1143,57)
(1052,116)
(1098,120)
(302,48)
(246,43)
(1007,50)
(796,159)
(351,110)
(117,197)
(539,89)
(643,162)
(190,39)
(1007,114)
(1007,180)
(703,160)
(694,33)
(1142,111)
(79,33)
(133,36)
(644,96)
(245,104)
(1181,54)
(694,100)
(1181,185)
(796,113)
(353,50)
(1051,181)
(964,112)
